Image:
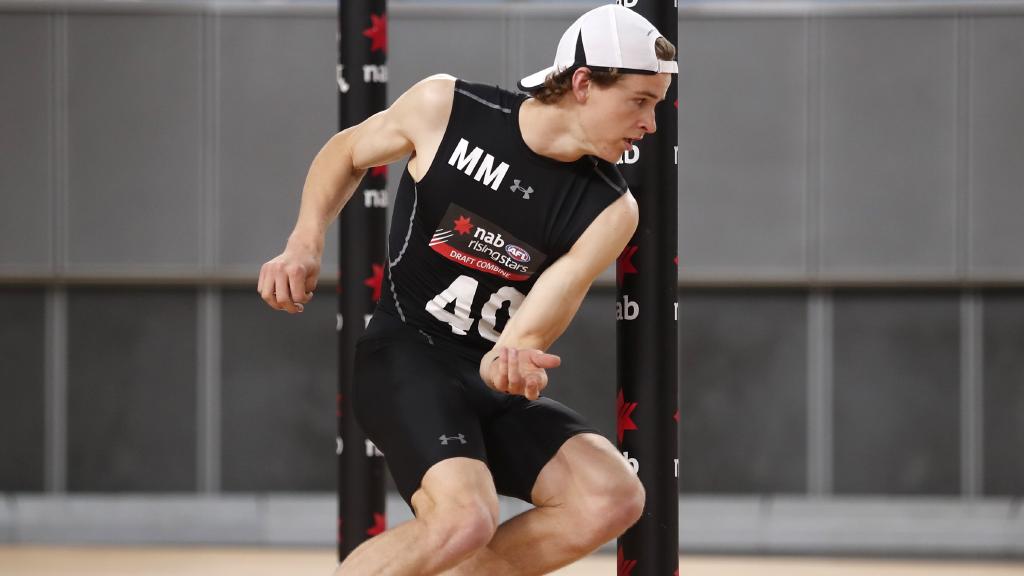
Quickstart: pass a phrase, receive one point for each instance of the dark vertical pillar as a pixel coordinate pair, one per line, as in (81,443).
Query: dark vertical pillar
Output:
(648,415)
(362,83)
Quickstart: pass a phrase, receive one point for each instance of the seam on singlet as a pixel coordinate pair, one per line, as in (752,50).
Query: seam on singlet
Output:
(482,101)
(606,179)
(393,263)
(429,339)
(408,232)
(394,295)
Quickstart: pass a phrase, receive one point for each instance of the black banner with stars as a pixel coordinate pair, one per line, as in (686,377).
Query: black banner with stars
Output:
(645,309)
(362,91)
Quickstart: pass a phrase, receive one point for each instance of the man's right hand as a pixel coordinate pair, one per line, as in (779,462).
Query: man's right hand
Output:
(287,282)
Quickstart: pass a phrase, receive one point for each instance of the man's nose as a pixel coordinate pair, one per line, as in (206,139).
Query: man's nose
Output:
(649,124)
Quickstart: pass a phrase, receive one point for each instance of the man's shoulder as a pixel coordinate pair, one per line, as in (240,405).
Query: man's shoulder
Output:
(438,91)
(490,95)
(434,90)
(424,108)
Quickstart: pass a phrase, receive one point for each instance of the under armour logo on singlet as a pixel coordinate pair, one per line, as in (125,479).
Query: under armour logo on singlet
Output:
(515,187)
(444,439)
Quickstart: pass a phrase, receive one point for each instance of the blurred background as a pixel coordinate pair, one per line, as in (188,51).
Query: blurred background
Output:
(851,285)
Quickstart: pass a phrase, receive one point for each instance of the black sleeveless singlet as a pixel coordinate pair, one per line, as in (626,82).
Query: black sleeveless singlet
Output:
(469,240)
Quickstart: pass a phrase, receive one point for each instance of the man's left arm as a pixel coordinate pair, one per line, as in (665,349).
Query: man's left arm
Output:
(517,362)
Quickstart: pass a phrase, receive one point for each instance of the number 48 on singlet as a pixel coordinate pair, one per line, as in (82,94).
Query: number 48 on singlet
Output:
(462,291)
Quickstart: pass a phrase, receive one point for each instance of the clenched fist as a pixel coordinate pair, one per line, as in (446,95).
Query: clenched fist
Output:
(287,282)
(518,371)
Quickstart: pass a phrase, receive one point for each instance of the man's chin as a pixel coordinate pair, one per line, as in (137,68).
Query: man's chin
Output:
(612,156)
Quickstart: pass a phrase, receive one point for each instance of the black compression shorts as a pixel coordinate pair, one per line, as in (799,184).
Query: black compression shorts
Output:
(421,404)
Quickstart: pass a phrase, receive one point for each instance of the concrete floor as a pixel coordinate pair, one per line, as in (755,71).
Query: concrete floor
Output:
(61,561)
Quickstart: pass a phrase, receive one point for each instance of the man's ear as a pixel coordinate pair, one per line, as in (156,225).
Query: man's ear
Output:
(581,84)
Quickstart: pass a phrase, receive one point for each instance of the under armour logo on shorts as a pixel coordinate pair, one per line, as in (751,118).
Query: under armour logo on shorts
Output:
(444,439)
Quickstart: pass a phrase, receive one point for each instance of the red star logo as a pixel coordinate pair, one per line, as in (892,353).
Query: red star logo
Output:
(676,103)
(377,33)
(375,280)
(676,416)
(625,264)
(625,410)
(625,566)
(379,524)
(379,171)
(463,225)
(676,260)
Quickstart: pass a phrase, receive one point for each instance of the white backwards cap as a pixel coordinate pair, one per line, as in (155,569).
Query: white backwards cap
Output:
(609,36)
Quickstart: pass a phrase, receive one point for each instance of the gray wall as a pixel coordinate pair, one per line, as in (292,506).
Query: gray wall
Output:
(172,143)
(851,287)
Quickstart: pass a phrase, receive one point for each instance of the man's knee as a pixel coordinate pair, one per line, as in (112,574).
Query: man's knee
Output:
(622,504)
(458,506)
(459,530)
(589,480)
(608,510)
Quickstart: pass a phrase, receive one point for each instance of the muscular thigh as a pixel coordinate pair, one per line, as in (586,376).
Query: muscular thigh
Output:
(455,483)
(584,466)
(411,405)
(523,440)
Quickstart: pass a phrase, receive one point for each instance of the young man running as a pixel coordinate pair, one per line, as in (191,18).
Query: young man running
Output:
(509,208)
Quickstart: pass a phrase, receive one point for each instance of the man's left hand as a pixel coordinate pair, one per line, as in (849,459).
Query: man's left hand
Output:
(518,371)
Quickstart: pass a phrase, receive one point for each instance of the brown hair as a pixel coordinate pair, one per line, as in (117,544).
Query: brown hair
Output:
(557,84)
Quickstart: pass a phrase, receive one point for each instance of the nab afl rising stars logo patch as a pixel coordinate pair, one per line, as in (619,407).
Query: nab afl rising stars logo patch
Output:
(470,240)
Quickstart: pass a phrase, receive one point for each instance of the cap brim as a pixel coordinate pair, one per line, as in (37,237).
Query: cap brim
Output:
(535,80)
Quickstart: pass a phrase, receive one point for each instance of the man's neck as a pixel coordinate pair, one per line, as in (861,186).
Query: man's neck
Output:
(551,130)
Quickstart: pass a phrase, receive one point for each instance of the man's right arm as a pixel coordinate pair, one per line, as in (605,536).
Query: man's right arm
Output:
(415,121)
